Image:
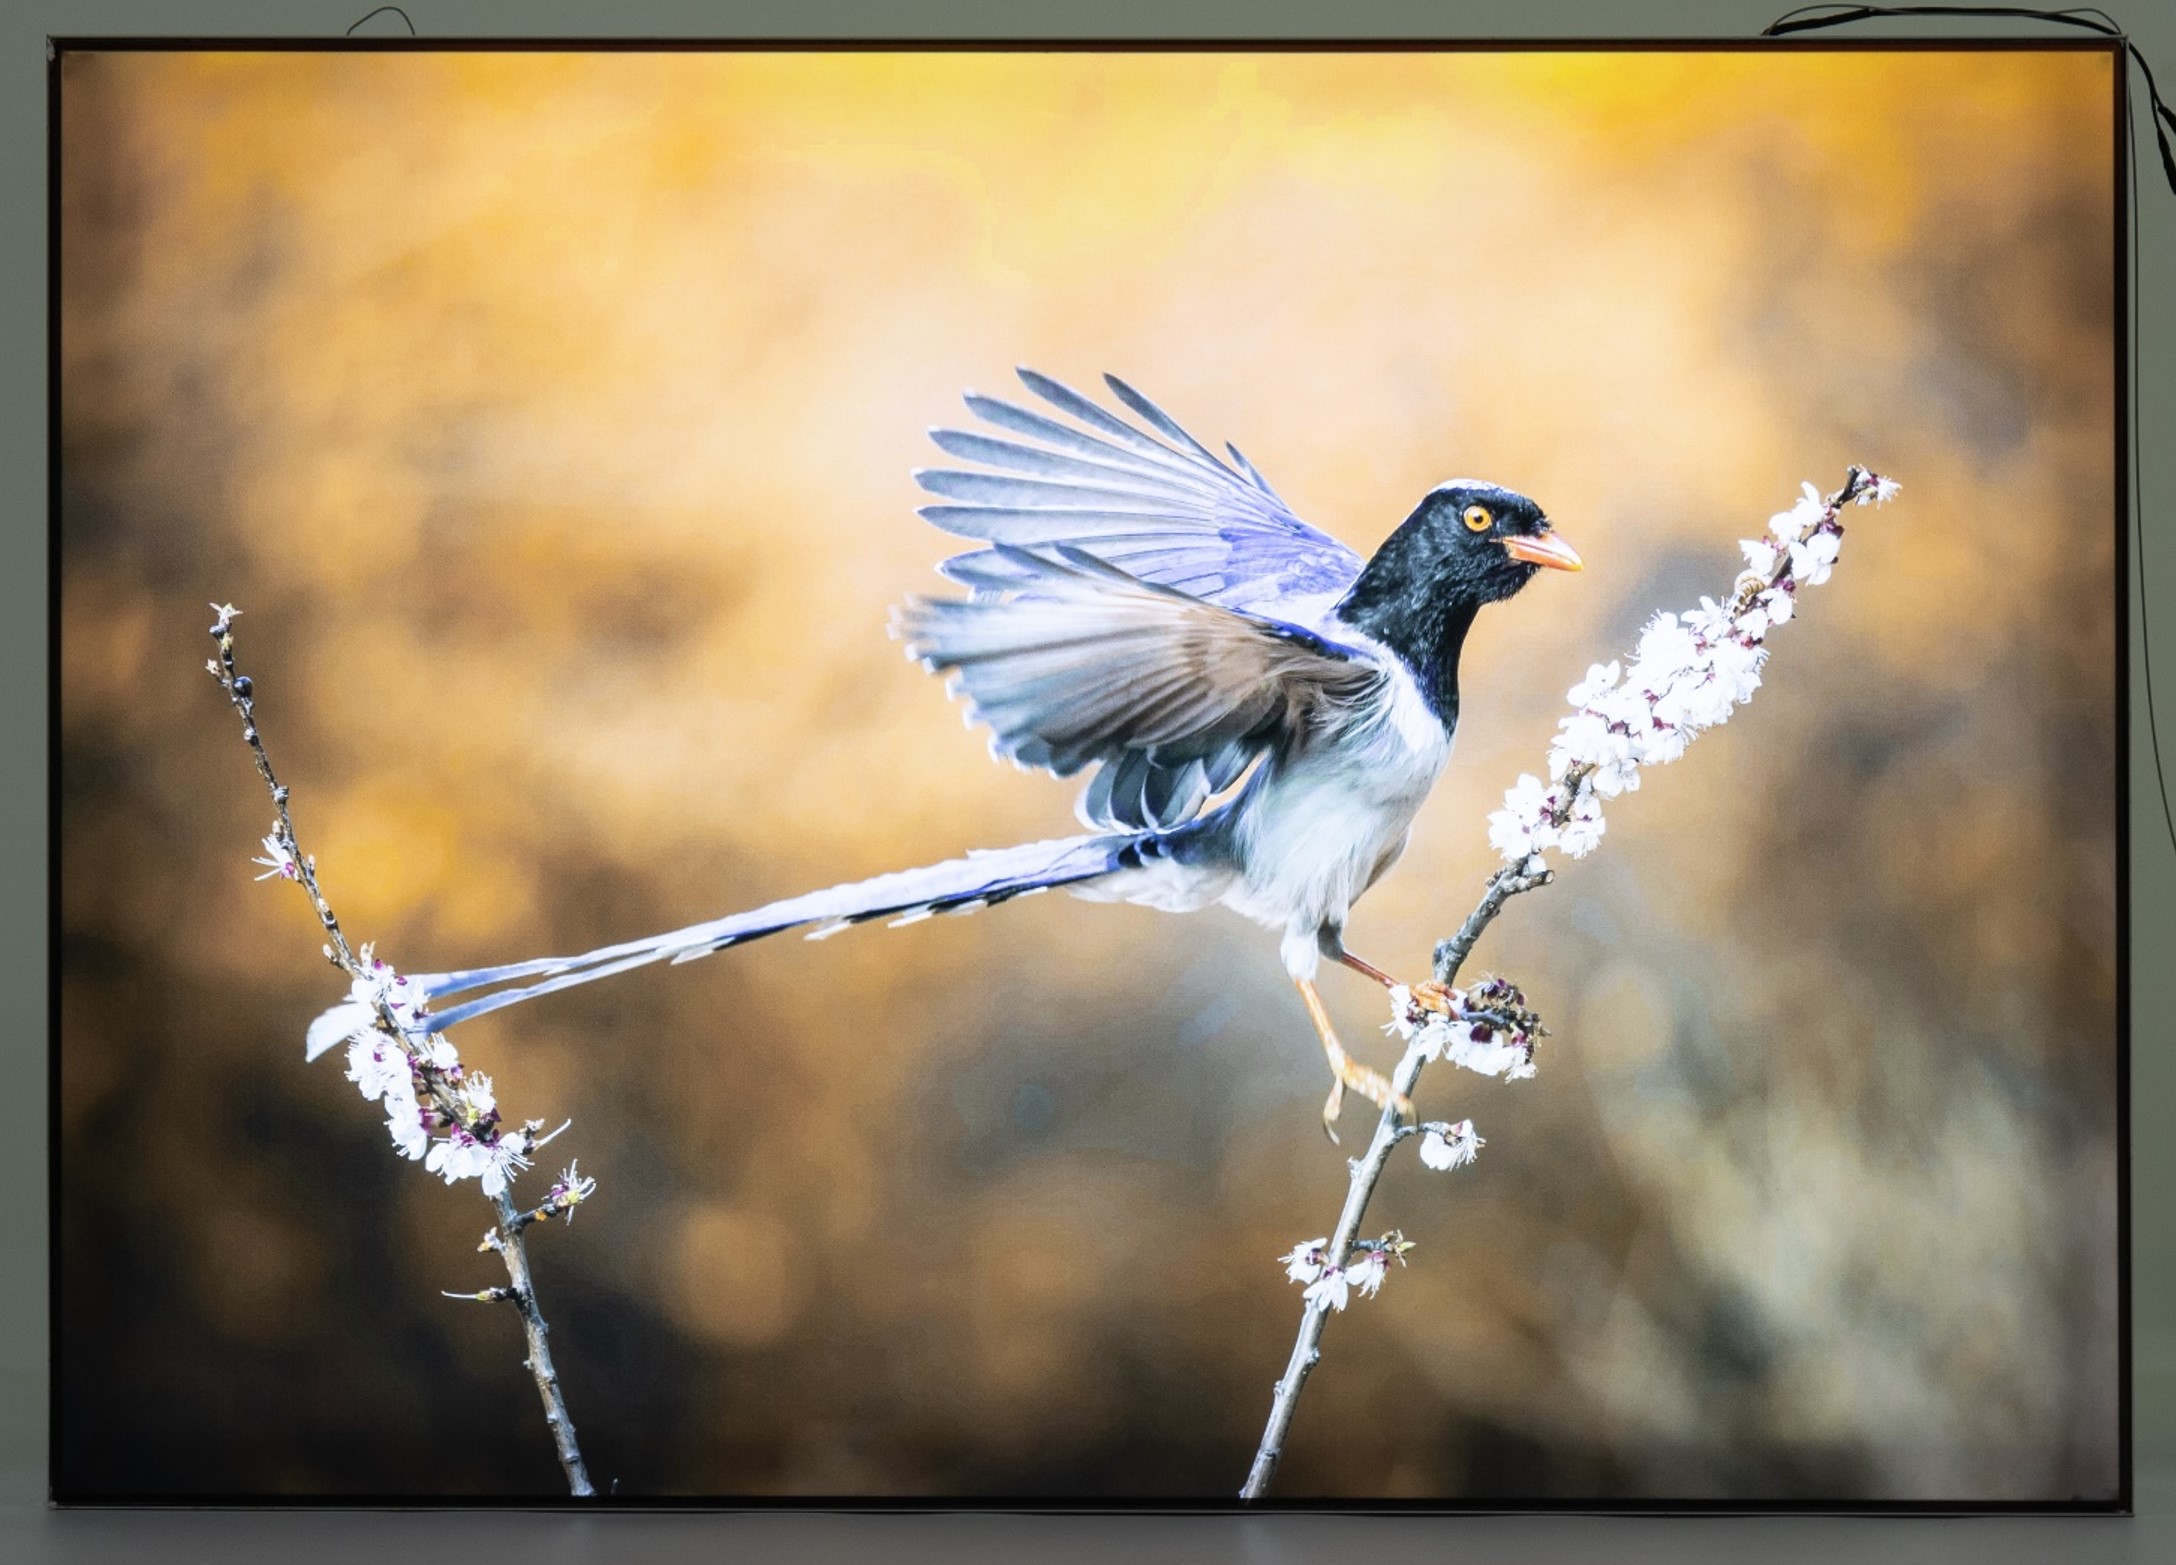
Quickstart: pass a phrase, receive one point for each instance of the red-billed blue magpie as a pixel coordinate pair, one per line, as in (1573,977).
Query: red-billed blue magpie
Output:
(1262,710)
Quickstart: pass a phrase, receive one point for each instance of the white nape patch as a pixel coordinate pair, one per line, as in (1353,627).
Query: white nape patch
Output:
(826,931)
(1482,484)
(912,916)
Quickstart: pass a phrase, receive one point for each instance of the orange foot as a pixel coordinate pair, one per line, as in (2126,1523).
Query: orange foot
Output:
(1432,996)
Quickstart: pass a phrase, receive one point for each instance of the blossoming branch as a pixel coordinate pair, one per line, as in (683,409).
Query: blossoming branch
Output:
(1689,672)
(1686,676)
(454,1127)
(437,1111)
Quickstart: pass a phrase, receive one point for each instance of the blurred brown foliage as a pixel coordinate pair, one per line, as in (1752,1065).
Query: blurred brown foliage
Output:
(551,416)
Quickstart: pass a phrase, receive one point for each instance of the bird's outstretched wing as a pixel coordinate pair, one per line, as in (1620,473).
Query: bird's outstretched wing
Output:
(1155,502)
(1072,662)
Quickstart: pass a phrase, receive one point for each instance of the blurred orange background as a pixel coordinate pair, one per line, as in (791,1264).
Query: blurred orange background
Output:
(550,416)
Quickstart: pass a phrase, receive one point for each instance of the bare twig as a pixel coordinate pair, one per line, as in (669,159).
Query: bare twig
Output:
(569,1192)
(1367,1172)
(1525,873)
(514,1250)
(1505,884)
(242,691)
(287,859)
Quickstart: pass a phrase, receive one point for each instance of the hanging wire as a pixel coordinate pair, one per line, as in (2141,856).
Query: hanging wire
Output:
(1809,18)
(382,10)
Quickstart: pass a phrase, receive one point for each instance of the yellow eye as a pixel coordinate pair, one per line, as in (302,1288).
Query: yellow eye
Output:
(1477,518)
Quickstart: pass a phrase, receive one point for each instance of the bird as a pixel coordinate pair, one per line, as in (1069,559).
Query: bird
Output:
(1260,711)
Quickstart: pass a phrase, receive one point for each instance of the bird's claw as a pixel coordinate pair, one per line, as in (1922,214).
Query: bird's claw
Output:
(1373,1086)
(1345,1071)
(1432,996)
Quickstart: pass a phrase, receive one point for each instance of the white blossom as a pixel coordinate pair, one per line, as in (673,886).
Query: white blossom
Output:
(1583,825)
(1812,560)
(1660,743)
(1587,738)
(1737,667)
(505,1160)
(457,1155)
(378,985)
(1579,738)
(1512,835)
(1523,826)
(1332,1289)
(1617,774)
(1667,647)
(276,859)
(476,1095)
(571,1188)
(1761,555)
(1696,701)
(408,1008)
(1405,1017)
(1790,526)
(1450,1146)
(1465,1038)
(1882,491)
(376,1064)
(1304,1262)
(1366,1273)
(462,1154)
(404,1119)
(1600,681)
(1486,1050)
(1711,621)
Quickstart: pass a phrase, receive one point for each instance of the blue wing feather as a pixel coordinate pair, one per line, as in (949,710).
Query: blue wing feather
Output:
(1166,510)
(1157,504)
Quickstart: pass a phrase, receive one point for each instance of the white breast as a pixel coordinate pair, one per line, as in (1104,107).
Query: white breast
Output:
(1332,819)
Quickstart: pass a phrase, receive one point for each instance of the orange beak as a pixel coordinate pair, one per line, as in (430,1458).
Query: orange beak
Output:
(1544,549)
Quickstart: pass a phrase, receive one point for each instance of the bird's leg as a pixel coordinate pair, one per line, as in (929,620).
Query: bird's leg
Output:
(1370,1084)
(1432,995)
(1360,964)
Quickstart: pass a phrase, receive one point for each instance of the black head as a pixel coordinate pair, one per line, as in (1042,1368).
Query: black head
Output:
(1465,545)
(1468,541)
